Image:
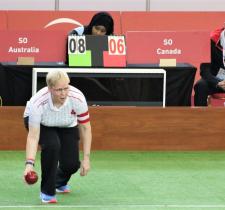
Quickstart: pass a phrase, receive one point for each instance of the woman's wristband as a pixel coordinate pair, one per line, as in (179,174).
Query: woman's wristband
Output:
(29,162)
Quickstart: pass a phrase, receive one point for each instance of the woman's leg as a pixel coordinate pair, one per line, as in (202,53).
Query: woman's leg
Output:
(201,93)
(202,90)
(69,161)
(50,150)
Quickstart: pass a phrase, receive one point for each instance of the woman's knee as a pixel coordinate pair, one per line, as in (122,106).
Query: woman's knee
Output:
(201,85)
(70,168)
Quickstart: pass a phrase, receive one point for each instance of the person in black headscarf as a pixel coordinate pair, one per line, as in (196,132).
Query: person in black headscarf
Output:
(101,24)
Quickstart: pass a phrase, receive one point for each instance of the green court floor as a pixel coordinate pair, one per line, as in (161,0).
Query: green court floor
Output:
(126,180)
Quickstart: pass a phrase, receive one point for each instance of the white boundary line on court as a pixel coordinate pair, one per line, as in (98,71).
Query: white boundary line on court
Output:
(113,206)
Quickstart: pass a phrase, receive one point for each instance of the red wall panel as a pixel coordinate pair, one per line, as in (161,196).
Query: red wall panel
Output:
(37,20)
(24,25)
(172,21)
(146,21)
(3,20)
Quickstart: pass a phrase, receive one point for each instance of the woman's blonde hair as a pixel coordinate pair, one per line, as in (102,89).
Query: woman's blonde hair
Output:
(55,75)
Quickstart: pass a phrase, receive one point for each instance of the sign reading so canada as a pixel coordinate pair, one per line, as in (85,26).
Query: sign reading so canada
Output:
(184,46)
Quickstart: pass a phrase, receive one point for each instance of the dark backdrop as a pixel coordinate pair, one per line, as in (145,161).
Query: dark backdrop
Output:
(16,86)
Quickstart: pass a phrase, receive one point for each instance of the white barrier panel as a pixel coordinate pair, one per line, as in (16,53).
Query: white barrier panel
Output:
(115,5)
(100,5)
(187,5)
(27,5)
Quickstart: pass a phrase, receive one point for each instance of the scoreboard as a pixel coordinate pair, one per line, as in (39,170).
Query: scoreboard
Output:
(96,51)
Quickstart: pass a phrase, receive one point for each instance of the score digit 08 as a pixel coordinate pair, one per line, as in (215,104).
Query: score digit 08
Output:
(76,45)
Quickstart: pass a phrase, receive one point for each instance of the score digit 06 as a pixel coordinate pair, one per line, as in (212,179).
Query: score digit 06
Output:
(76,45)
(116,45)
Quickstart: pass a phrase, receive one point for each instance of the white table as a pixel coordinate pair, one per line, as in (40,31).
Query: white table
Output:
(105,72)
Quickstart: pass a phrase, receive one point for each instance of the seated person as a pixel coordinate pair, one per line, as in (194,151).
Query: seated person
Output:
(101,24)
(212,74)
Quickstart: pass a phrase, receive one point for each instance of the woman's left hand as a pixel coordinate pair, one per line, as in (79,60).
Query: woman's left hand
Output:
(85,167)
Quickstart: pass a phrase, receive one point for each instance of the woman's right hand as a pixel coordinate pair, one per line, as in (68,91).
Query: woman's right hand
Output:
(221,84)
(28,168)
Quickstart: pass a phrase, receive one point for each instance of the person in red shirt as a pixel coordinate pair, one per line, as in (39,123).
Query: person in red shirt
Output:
(213,73)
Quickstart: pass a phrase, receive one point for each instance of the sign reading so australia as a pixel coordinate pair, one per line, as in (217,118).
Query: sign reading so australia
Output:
(44,46)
